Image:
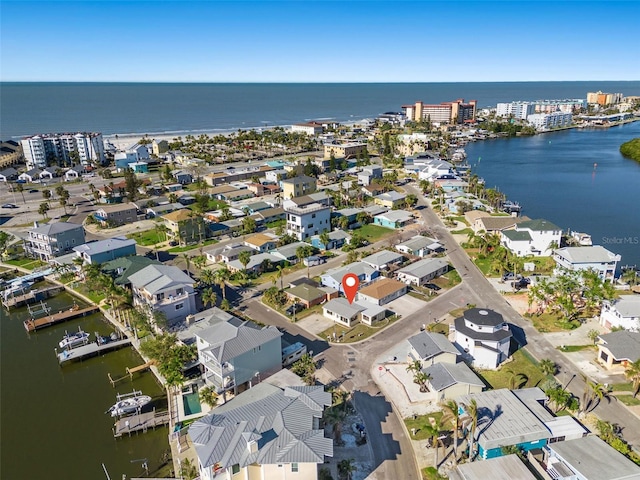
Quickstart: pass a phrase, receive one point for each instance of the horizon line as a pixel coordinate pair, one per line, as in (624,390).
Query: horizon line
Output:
(198,82)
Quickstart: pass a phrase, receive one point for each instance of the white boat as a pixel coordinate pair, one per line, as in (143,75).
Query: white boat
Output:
(583,239)
(16,288)
(130,404)
(71,340)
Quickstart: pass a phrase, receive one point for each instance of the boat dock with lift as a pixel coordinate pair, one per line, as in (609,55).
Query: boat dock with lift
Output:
(140,422)
(30,297)
(31,325)
(97,347)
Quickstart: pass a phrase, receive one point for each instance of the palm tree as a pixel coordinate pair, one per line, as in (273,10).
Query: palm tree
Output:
(415,366)
(559,397)
(221,276)
(209,297)
(207,276)
(633,373)
(548,366)
(208,396)
(20,189)
(421,378)
(471,410)
(244,258)
(324,239)
(279,275)
(345,468)
(304,252)
(434,430)
(334,416)
(187,261)
(517,379)
(452,413)
(593,393)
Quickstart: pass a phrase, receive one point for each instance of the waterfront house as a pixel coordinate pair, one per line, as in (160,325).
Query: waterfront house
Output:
(185,226)
(234,354)
(419,246)
(422,271)
(116,215)
(261,242)
(618,349)
(53,240)
(298,186)
(484,222)
(381,291)
(333,278)
(484,336)
(533,237)
(430,348)
(383,260)
(266,432)
(122,268)
(390,199)
(587,458)
(102,251)
(516,418)
(337,239)
(165,289)
(623,312)
(394,219)
(447,381)
(596,258)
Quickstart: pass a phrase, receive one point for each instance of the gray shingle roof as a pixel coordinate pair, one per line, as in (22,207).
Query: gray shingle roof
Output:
(627,306)
(425,267)
(281,421)
(623,345)
(357,268)
(428,345)
(101,246)
(396,216)
(418,242)
(342,307)
(444,375)
(156,278)
(383,257)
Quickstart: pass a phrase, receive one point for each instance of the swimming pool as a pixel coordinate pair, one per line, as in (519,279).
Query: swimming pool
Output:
(191,403)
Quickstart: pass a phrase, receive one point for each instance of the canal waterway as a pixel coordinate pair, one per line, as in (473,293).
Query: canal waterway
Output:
(53,418)
(575,178)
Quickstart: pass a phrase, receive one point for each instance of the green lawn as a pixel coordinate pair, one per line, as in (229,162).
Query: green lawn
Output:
(628,400)
(577,348)
(551,322)
(186,248)
(373,233)
(28,263)
(464,231)
(93,295)
(622,387)
(522,363)
(147,237)
(439,328)
(419,423)
(430,473)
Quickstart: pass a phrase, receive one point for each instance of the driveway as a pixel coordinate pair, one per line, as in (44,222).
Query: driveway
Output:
(406,305)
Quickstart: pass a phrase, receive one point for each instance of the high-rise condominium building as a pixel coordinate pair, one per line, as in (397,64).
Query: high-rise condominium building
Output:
(57,149)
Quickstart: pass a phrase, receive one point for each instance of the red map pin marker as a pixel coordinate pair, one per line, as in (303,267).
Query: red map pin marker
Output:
(350,284)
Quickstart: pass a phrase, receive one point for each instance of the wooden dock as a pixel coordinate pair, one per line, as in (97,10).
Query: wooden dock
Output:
(32,297)
(32,325)
(140,422)
(90,350)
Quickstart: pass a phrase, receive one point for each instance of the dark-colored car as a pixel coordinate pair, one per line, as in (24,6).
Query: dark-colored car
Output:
(296,307)
(433,286)
(9,205)
(33,190)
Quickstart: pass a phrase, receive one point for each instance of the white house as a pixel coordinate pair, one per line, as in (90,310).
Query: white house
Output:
(347,314)
(419,246)
(304,221)
(383,259)
(595,258)
(484,336)
(533,237)
(382,291)
(422,271)
(622,312)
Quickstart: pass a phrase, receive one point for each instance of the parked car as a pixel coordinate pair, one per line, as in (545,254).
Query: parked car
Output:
(295,308)
(9,205)
(433,286)
(173,243)
(33,190)
(511,276)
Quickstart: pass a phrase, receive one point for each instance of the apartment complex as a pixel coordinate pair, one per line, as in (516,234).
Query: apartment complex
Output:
(344,150)
(546,121)
(57,148)
(298,186)
(522,110)
(49,241)
(446,112)
(603,99)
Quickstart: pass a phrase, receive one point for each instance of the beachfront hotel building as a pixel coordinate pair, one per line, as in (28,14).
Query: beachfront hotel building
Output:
(446,112)
(522,110)
(57,148)
(603,99)
(310,128)
(344,150)
(519,110)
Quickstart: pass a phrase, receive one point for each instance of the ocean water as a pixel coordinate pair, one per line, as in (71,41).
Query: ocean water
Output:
(30,108)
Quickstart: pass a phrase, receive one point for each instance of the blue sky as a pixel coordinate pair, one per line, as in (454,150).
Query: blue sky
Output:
(318,41)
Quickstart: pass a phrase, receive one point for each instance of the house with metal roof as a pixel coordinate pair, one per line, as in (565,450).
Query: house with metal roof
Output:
(333,278)
(383,259)
(102,251)
(265,432)
(165,289)
(484,336)
(509,467)
(618,349)
(235,354)
(448,381)
(422,271)
(419,246)
(53,240)
(594,257)
(260,262)
(159,210)
(226,254)
(516,418)
(622,312)
(533,237)
(587,458)
(430,348)
(381,291)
